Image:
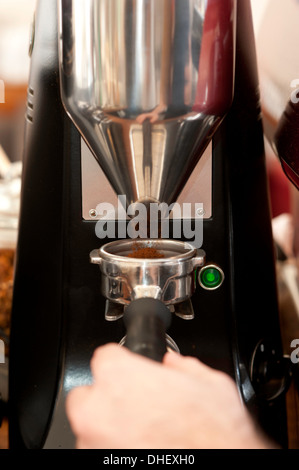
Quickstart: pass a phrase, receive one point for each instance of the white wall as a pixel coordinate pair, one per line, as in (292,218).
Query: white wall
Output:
(277,39)
(259,8)
(15,21)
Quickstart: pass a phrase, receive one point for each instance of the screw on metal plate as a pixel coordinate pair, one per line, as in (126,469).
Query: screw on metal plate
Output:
(93,213)
(200,212)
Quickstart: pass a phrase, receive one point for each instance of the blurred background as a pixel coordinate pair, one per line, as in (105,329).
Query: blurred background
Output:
(15,22)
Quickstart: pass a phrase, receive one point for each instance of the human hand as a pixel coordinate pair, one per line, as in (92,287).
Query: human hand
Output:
(136,403)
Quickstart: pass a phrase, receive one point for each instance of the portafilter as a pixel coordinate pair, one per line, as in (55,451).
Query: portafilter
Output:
(145,281)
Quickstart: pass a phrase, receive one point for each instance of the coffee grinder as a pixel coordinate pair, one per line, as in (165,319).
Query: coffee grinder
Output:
(156,102)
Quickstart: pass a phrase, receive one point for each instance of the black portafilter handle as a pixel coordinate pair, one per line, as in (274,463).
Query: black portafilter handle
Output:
(147,320)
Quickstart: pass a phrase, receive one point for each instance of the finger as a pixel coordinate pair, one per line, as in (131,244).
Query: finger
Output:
(187,364)
(112,359)
(107,355)
(89,444)
(76,403)
(81,444)
(199,370)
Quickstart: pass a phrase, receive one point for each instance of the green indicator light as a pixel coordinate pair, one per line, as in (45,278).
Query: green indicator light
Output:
(211,277)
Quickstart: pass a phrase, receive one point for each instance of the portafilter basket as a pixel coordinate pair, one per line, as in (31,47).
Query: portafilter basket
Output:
(147,286)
